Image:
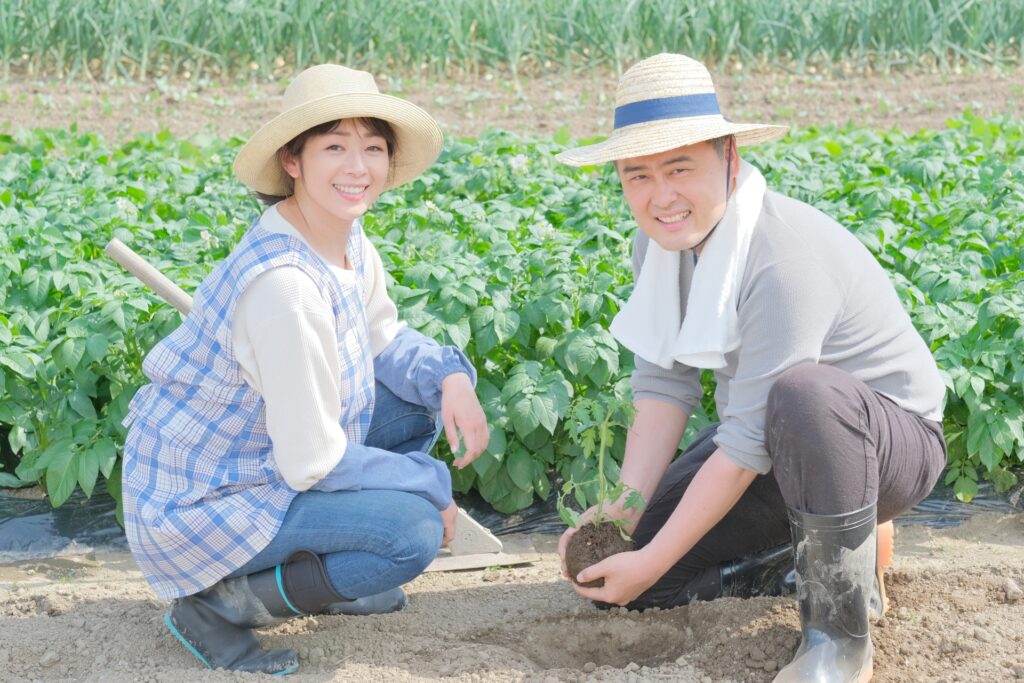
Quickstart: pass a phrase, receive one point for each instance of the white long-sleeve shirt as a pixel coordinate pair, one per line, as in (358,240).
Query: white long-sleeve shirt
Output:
(284,339)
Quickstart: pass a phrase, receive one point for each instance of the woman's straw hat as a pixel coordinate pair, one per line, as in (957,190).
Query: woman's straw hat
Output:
(329,92)
(664,102)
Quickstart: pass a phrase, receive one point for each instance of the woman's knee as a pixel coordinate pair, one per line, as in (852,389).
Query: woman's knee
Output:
(415,542)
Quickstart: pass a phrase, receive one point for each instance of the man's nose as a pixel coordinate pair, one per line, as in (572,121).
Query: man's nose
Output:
(664,194)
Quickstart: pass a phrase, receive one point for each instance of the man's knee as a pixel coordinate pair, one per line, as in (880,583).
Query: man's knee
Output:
(801,391)
(806,409)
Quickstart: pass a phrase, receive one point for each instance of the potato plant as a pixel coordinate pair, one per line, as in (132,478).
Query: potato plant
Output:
(502,251)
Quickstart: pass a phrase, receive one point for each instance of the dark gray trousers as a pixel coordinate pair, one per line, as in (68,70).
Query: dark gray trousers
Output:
(836,446)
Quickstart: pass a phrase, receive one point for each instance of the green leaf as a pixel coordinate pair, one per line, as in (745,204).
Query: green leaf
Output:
(506,324)
(113,484)
(61,476)
(106,455)
(96,347)
(81,403)
(965,489)
(520,467)
(485,463)
(542,408)
(88,470)
(10,481)
(19,361)
(497,444)
(70,353)
(524,418)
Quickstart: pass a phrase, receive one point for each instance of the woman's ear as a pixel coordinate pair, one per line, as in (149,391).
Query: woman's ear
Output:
(290,164)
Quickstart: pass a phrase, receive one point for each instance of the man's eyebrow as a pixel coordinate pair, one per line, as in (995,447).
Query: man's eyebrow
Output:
(682,158)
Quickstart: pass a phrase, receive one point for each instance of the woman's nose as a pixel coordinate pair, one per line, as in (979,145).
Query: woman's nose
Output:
(355,163)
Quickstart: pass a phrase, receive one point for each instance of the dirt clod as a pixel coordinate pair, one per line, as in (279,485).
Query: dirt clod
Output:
(1011,591)
(591,544)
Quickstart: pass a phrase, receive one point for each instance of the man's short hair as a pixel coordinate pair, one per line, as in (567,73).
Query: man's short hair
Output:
(719,145)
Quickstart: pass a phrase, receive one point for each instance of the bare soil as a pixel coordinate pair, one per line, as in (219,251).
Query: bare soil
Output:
(534,107)
(957,614)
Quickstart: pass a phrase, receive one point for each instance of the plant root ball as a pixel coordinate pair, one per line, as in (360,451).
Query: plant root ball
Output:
(591,544)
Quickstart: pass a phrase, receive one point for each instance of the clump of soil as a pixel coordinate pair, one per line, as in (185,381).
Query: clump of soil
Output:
(589,545)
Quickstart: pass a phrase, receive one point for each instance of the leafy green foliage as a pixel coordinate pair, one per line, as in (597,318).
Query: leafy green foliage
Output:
(502,251)
(942,213)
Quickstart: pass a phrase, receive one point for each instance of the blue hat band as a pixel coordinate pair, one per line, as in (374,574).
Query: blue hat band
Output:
(680,107)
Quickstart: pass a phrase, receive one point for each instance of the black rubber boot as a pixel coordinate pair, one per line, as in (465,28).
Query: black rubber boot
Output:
(394,600)
(835,567)
(215,624)
(767,573)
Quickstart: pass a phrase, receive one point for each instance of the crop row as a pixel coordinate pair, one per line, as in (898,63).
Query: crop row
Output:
(127,38)
(498,249)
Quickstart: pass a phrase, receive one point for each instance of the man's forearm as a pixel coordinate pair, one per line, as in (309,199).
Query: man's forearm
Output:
(651,443)
(715,489)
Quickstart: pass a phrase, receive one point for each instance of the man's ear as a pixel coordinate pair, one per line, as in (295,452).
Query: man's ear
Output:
(733,151)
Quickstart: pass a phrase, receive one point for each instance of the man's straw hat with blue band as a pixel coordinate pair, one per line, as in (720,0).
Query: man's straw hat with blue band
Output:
(664,102)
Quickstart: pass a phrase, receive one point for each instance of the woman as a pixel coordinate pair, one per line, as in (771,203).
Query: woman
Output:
(277,465)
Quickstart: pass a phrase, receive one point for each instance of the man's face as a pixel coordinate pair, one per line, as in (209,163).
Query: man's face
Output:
(677,197)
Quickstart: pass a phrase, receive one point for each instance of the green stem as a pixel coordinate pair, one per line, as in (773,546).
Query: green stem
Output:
(602,483)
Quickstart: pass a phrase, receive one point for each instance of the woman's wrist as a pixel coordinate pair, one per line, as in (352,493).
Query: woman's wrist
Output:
(456,379)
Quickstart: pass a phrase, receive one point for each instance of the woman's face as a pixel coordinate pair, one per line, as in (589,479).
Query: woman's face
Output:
(342,172)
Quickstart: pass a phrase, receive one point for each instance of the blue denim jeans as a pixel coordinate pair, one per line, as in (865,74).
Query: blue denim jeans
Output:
(371,540)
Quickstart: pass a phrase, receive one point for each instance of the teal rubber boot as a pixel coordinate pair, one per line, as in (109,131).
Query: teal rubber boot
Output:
(216,624)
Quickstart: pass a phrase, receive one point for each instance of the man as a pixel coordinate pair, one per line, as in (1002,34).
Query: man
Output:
(830,402)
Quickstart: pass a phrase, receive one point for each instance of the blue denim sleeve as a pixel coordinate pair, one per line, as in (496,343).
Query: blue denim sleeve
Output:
(413,366)
(364,468)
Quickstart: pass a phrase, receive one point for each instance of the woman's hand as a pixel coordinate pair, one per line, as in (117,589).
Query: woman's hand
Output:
(448,516)
(461,413)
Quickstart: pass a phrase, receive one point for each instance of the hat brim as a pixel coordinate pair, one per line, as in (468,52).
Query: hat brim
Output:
(653,137)
(418,138)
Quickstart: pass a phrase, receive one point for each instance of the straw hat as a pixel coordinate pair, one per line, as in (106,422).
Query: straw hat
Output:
(664,102)
(329,92)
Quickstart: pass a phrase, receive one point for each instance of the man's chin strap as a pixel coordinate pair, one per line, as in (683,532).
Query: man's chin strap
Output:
(728,179)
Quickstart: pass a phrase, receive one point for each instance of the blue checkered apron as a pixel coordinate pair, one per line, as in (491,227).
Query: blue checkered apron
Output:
(202,493)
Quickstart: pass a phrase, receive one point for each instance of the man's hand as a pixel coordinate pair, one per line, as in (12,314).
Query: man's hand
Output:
(614,511)
(461,413)
(626,576)
(448,516)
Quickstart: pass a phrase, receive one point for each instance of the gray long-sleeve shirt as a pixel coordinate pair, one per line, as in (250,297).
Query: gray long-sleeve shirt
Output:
(811,293)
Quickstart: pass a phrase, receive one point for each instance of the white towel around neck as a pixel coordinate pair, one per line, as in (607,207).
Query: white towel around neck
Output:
(649,324)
